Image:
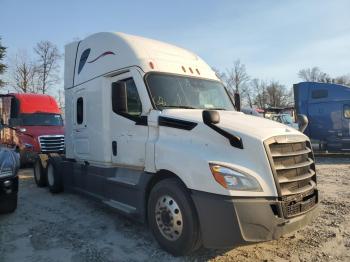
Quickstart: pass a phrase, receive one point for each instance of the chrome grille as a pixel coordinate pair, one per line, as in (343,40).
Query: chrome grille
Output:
(52,143)
(292,163)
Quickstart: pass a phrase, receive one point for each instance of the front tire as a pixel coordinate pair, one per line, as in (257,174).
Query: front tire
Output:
(172,218)
(8,204)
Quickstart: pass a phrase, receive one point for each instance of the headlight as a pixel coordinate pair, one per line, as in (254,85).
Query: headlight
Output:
(232,179)
(27,145)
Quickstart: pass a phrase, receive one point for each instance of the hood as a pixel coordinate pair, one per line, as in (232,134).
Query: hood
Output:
(232,121)
(43,130)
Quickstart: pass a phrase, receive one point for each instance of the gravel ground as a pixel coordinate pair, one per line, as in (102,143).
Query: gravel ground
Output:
(68,227)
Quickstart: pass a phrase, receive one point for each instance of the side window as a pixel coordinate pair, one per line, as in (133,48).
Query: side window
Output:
(80,110)
(133,102)
(347,111)
(84,56)
(321,93)
(14,108)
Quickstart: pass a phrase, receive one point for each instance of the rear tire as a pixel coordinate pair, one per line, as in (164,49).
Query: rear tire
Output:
(39,174)
(54,175)
(8,204)
(172,218)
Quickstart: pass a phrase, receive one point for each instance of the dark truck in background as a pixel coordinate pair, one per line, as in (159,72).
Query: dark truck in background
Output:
(9,164)
(327,107)
(32,124)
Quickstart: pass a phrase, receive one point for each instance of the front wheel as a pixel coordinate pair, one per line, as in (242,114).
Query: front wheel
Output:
(172,218)
(8,204)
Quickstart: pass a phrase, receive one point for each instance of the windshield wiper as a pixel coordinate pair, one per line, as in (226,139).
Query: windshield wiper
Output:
(185,107)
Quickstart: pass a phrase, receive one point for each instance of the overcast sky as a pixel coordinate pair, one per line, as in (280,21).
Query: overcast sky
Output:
(274,39)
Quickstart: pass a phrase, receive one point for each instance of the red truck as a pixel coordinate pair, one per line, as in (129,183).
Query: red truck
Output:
(32,124)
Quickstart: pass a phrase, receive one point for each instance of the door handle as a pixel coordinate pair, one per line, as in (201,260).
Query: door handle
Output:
(114,148)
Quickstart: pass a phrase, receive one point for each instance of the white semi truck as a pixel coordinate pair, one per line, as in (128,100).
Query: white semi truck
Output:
(152,132)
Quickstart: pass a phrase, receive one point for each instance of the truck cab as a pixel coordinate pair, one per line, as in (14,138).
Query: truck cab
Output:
(327,107)
(153,133)
(32,124)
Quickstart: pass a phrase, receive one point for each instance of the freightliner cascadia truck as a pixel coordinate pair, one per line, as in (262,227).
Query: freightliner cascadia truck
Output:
(32,124)
(152,132)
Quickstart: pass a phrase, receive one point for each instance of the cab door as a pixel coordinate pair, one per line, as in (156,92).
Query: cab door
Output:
(80,125)
(129,130)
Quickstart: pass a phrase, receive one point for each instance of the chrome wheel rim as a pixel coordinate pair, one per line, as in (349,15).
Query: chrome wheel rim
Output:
(50,178)
(169,218)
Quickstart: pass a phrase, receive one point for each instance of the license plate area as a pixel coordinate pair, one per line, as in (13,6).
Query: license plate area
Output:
(298,204)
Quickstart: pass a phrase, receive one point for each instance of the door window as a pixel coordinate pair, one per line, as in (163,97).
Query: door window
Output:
(133,102)
(347,111)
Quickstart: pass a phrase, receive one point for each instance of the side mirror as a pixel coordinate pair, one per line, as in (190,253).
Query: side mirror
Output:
(303,122)
(237,98)
(119,97)
(210,117)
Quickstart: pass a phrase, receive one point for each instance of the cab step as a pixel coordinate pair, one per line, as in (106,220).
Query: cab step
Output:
(127,209)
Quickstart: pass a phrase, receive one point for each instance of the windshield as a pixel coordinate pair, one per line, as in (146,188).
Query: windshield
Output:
(171,91)
(287,119)
(41,119)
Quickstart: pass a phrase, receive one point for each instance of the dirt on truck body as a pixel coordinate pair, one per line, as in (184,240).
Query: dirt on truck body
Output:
(68,227)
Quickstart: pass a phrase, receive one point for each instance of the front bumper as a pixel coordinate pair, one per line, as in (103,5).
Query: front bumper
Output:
(229,221)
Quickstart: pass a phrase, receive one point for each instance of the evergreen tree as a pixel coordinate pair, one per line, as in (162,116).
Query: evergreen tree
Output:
(2,66)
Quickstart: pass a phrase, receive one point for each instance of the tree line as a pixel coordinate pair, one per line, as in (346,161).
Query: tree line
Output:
(264,94)
(32,74)
(314,74)
(39,74)
(255,92)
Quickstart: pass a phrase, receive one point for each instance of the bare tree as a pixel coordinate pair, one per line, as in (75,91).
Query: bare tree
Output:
(237,76)
(236,80)
(247,95)
(343,80)
(2,66)
(278,95)
(22,73)
(60,99)
(314,74)
(47,64)
(259,90)
(219,74)
(309,74)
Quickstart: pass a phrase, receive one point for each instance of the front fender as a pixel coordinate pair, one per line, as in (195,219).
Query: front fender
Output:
(188,153)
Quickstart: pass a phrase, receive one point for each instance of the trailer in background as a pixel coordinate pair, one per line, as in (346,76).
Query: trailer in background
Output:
(327,107)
